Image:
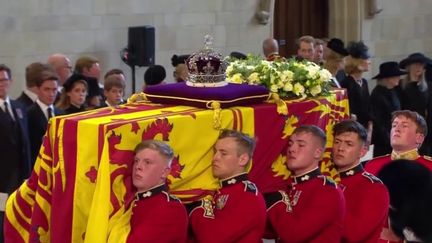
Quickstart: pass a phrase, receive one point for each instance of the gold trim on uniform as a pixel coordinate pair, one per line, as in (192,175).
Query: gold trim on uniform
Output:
(221,201)
(207,205)
(410,155)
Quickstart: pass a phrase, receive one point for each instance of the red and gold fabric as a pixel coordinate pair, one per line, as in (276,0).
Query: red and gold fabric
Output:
(81,184)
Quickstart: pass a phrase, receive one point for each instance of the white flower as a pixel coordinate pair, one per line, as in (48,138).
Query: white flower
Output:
(313,70)
(288,78)
(237,78)
(325,75)
(298,89)
(315,90)
(254,78)
(230,68)
(288,87)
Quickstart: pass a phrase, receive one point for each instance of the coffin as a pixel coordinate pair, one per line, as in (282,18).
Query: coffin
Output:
(82,177)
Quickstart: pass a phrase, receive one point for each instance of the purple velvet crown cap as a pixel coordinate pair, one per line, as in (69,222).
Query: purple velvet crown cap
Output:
(206,67)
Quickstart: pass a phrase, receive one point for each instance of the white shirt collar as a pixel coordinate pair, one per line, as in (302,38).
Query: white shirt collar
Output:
(2,105)
(44,108)
(30,94)
(2,101)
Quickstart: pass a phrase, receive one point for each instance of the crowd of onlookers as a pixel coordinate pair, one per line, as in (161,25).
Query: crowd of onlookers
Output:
(401,85)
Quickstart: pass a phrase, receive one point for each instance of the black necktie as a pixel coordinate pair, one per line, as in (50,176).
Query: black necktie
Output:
(49,113)
(7,111)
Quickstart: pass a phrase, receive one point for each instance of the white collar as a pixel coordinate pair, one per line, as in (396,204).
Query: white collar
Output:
(2,102)
(31,94)
(44,108)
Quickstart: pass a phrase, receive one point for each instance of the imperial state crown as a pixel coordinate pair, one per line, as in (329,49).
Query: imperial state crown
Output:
(206,67)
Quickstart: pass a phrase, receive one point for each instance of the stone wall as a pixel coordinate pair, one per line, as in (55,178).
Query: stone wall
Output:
(33,29)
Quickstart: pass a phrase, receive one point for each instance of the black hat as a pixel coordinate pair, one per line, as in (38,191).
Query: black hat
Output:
(337,45)
(389,69)
(67,86)
(358,50)
(154,75)
(176,60)
(92,84)
(414,58)
(410,187)
(238,55)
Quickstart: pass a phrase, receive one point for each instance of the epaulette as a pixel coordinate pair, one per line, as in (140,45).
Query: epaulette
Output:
(371,177)
(250,187)
(427,158)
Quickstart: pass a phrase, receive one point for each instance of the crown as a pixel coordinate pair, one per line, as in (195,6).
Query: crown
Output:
(206,67)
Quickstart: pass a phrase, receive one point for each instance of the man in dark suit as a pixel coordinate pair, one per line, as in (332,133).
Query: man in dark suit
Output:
(14,144)
(42,110)
(32,73)
(89,67)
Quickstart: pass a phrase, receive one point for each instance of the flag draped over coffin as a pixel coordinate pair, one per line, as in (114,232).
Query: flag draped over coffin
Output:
(81,184)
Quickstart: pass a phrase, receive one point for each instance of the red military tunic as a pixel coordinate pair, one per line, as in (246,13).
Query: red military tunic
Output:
(367,202)
(312,210)
(158,217)
(237,214)
(376,164)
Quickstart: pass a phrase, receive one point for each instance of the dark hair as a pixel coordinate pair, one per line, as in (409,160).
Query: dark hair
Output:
(64,101)
(46,75)
(85,62)
(164,149)
(415,117)
(154,75)
(245,142)
(33,73)
(306,39)
(314,130)
(5,68)
(113,71)
(114,81)
(176,60)
(350,126)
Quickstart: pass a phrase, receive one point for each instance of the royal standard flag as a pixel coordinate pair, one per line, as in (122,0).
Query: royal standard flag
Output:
(80,188)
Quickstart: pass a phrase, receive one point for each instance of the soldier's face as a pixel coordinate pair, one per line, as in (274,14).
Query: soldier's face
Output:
(304,151)
(227,161)
(150,169)
(347,150)
(404,135)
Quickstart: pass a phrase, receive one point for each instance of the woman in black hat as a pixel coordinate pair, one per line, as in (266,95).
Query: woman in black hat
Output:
(415,92)
(385,101)
(334,59)
(356,64)
(73,96)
